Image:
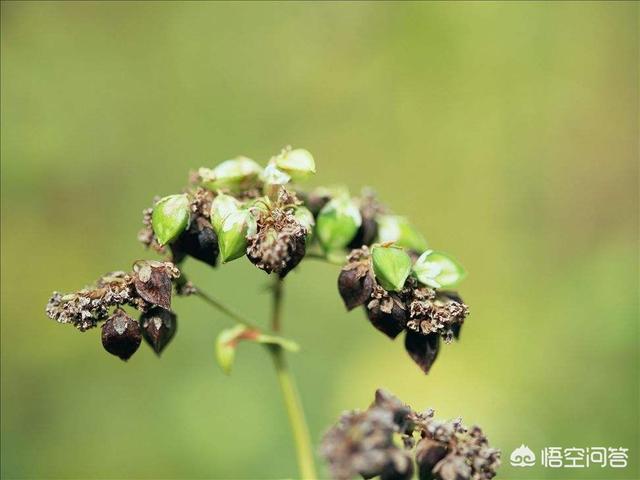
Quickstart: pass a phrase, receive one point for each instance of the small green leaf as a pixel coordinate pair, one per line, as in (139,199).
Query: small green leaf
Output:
(226,344)
(298,163)
(305,217)
(337,223)
(170,217)
(235,175)
(232,235)
(397,229)
(391,266)
(285,343)
(221,207)
(438,270)
(228,339)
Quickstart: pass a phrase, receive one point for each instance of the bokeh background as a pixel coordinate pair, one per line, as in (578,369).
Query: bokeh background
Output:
(506,131)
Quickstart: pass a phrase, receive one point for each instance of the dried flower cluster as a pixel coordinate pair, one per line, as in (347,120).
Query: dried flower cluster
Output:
(389,436)
(147,288)
(426,314)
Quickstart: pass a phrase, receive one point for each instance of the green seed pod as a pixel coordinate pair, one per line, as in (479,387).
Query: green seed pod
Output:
(221,207)
(298,163)
(170,217)
(338,223)
(391,266)
(237,174)
(397,229)
(438,270)
(232,235)
(305,217)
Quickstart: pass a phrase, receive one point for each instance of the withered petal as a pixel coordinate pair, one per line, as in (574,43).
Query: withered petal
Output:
(423,349)
(157,290)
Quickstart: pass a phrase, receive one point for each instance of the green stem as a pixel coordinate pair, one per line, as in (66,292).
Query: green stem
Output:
(224,309)
(324,258)
(292,403)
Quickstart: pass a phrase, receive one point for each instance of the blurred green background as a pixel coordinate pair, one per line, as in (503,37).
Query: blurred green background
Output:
(506,131)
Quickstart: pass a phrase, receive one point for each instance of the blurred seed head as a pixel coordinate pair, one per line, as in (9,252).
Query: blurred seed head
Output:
(380,442)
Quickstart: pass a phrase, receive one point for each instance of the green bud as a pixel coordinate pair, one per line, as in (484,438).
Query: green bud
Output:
(397,229)
(338,223)
(232,235)
(298,163)
(391,266)
(438,270)
(170,217)
(305,217)
(237,174)
(221,207)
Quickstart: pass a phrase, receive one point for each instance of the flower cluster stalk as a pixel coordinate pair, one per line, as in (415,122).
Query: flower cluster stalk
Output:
(290,395)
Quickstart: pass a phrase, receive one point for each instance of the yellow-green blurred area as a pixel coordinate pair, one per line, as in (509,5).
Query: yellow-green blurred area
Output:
(507,132)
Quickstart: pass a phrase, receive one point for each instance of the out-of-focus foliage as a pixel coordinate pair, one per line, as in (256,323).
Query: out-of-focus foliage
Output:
(505,132)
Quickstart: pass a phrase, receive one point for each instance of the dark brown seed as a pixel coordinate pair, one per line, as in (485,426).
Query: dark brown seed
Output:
(423,349)
(121,335)
(298,249)
(314,201)
(366,234)
(400,469)
(158,327)
(428,454)
(355,289)
(456,330)
(199,241)
(156,289)
(391,324)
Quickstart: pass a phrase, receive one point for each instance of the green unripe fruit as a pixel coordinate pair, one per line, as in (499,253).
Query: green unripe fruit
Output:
(438,270)
(298,164)
(338,223)
(391,266)
(170,217)
(237,174)
(232,235)
(397,229)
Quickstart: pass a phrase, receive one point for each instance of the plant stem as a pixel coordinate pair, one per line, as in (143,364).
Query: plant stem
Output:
(292,403)
(324,258)
(224,309)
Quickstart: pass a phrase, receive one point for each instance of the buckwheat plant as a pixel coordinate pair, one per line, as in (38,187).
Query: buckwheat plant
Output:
(242,209)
